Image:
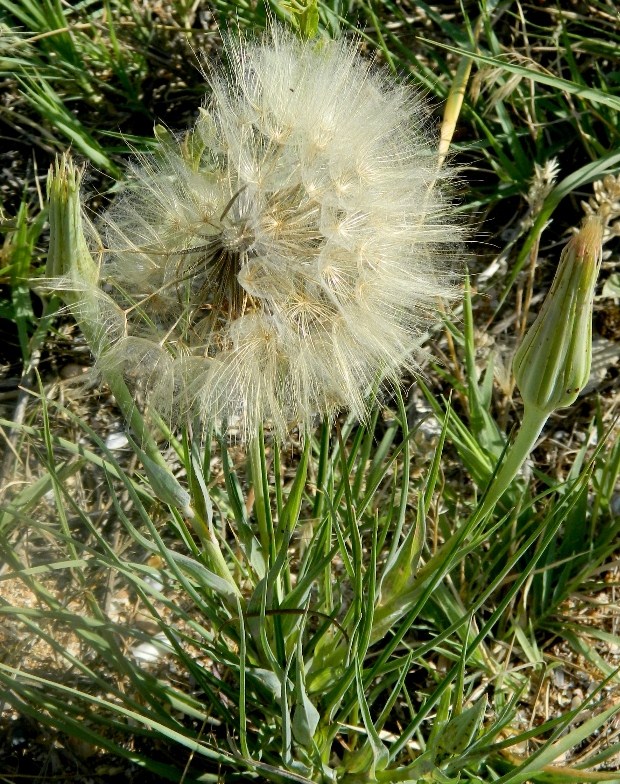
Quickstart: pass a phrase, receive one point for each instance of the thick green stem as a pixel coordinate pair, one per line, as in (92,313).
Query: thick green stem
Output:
(427,577)
(127,403)
(518,452)
(397,606)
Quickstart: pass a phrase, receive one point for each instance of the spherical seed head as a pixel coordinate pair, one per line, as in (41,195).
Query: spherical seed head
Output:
(284,256)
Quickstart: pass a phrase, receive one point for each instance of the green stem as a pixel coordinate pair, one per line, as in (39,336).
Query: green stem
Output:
(69,258)
(127,403)
(533,422)
(440,563)
(431,574)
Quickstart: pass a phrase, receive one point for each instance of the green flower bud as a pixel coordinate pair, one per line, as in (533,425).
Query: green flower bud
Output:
(71,269)
(552,365)
(68,254)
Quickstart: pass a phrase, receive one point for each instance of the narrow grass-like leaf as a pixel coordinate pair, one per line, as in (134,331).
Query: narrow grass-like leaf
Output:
(557,82)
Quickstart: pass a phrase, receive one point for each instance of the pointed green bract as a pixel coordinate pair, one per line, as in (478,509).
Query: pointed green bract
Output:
(552,364)
(68,250)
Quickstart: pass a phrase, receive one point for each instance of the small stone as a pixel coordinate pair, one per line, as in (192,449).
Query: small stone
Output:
(117,441)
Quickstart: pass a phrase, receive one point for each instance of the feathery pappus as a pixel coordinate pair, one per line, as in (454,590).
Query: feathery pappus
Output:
(281,259)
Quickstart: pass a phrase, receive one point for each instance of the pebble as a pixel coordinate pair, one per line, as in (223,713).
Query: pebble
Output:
(117,441)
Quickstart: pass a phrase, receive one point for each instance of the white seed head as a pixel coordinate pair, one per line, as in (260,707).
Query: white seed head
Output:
(284,256)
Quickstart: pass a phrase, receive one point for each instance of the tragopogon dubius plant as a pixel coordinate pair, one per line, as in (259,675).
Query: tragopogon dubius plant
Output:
(282,258)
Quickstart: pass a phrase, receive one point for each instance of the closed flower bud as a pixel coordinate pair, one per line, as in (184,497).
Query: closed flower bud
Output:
(552,365)
(68,253)
(70,266)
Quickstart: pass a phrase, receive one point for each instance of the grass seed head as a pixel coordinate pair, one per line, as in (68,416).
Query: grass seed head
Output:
(287,253)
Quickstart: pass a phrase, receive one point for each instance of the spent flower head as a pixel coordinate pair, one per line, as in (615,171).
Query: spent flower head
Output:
(285,256)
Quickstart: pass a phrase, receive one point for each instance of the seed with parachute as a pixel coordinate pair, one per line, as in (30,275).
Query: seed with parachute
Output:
(285,257)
